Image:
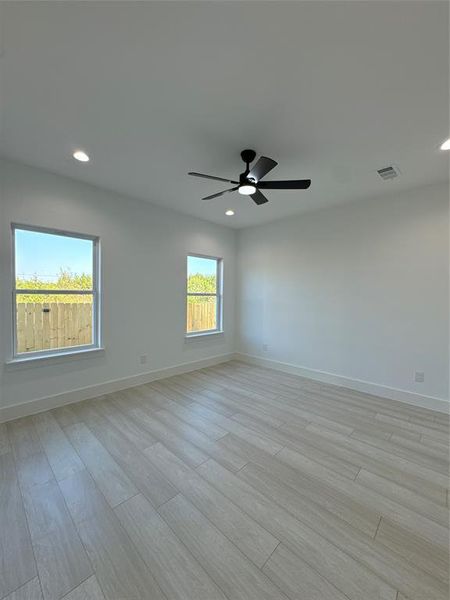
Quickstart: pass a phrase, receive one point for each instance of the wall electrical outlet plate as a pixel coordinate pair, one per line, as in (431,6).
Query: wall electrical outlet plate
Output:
(419,377)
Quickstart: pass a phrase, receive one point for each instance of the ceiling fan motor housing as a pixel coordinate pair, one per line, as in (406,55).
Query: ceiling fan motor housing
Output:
(245,179)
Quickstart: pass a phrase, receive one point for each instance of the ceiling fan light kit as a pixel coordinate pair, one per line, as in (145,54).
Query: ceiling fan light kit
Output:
(247,190)
(250,183)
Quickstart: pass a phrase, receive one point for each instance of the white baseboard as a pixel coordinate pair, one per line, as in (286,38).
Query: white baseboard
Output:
(430,402)
(8,413)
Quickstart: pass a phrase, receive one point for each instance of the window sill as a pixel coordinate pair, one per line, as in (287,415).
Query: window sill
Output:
(200,334)
(42,358)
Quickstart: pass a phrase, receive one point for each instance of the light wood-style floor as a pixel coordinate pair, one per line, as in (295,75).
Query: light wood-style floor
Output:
(232,482)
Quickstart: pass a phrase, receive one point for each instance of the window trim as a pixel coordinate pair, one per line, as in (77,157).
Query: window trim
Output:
(95,292)
(218,295)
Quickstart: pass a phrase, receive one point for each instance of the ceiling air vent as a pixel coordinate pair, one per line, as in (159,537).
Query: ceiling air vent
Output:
(388,172)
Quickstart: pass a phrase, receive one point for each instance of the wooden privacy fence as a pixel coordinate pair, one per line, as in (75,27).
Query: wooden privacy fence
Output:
(43,326)
(53,325)
(201,316)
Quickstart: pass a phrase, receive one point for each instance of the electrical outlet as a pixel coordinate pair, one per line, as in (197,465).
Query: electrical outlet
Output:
(265,347)
(419,377)
(143,359)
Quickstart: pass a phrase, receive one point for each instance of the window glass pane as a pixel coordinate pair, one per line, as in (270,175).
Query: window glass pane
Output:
(49,261)
(202,274)
(53,321)
(201,313)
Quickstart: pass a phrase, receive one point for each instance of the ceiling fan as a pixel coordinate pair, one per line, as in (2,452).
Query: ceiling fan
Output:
(250,183)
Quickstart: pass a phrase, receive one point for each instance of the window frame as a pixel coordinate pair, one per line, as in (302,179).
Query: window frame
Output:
(218,295)
(95,292)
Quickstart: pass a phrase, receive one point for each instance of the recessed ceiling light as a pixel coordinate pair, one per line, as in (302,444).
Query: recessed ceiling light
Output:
(81,156)
(446,145)
(247,190)
(229,213)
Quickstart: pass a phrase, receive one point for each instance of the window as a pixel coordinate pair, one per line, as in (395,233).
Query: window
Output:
(55,292)
(204,295)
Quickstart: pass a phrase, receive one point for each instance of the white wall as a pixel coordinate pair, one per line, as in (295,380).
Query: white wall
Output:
(359,291)
(144,252)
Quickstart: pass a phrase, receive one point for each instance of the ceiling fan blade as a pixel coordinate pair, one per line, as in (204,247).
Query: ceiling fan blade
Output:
(258,198)
(220,193)
(294,184)
(261,168)
(212,177)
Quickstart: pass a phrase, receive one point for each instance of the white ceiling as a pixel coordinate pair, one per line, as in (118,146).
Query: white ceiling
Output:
(152,90)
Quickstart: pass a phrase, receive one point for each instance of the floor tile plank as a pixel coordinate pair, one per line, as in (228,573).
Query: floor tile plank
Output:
(147,479)
(385,563)
(132,430)
(350,577)
(288,470)
(186,414)
(404,496)
(61,559)
(297,579)
(177,572)
(188,452)
(4,440)
(120,570)
(66,415)
(23,437)
(17,564)
(238,578)
(110,478)
(61,455)
(225,456)
(254,541)
(29,591)
(88,590)
(373,501)
(419,552)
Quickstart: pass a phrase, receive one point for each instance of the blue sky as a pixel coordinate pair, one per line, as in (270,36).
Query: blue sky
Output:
(44,255)
(205,266)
